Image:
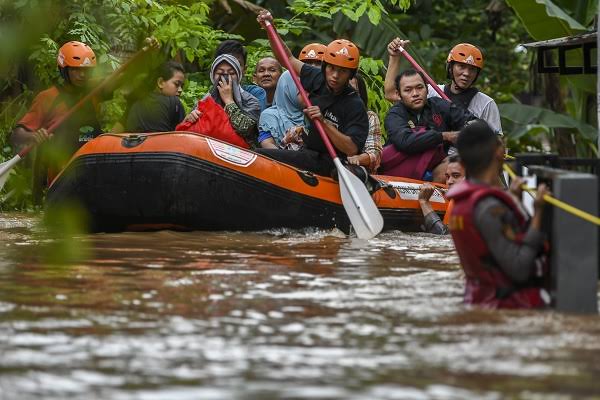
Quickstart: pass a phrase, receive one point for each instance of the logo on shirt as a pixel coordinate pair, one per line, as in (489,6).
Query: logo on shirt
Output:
(437,119)
(86,133)
(411,124)
(331,119)
(343,51)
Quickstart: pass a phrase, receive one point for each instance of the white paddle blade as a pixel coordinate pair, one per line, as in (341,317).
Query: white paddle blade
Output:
(362,211)
(5,169)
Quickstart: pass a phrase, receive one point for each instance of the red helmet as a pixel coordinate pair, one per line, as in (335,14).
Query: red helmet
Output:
(343,53)
(76,54)
(313,52)
(467,54)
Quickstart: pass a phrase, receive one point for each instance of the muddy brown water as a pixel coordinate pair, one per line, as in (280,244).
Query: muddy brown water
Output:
(269,315)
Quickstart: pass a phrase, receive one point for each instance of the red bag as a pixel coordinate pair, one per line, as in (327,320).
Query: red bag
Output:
(213,122)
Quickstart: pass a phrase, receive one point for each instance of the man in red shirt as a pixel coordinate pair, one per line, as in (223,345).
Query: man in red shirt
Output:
(75,61)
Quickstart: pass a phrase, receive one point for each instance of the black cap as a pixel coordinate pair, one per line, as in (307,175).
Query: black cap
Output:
(476,133)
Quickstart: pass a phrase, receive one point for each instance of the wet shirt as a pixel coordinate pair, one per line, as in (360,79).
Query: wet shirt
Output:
(432,223)
(345,111)
(155,113)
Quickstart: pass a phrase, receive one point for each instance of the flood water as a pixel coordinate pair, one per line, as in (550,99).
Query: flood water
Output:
(270,315)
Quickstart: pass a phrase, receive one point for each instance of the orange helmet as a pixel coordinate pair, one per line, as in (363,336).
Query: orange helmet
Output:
(467,54)
(76,54)
(312,52)
(343,53)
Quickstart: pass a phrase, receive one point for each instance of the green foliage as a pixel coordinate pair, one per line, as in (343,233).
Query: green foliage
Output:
(528,127)
(184,29)
(545,19)
(17,193)
(43,58)
(373,73)
(353,9)
(196,87)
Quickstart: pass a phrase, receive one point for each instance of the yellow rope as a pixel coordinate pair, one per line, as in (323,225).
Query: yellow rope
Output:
(555,202)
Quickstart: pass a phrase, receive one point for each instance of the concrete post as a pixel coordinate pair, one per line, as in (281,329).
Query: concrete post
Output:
(574,241)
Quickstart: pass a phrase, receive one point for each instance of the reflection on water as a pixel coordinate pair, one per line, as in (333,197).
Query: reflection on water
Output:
(279,314)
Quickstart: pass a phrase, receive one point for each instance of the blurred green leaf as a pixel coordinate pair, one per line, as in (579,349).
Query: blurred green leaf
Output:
(529,115)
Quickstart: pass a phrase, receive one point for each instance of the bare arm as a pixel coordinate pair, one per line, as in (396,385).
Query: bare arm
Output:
(393,69)
(340,141)
(433,223)
(268,144)
(296,64)
(363,159)
(21,137)
(343,143)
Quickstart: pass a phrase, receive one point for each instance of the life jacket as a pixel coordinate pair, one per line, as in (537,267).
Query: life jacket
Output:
(397,163)
(213,122)
(486,283)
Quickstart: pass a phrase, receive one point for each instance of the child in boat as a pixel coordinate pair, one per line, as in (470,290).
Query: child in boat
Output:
(501,249)
(161,109)
(371,155)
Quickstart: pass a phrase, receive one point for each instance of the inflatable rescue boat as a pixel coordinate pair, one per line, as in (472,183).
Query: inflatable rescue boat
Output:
(182,180)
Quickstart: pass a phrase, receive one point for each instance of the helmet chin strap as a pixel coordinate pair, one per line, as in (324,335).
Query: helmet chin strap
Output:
(453,81)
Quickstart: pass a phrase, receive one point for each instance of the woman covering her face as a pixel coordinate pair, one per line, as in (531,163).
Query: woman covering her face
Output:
(242,108)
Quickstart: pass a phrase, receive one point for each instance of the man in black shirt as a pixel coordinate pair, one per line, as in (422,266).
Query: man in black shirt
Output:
(334,102)
(424,129)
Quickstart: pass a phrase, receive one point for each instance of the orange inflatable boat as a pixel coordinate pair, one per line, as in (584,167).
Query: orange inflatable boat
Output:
(181,180)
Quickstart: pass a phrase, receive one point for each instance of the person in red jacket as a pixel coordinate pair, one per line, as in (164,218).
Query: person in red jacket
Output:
(501,250)
(75,62)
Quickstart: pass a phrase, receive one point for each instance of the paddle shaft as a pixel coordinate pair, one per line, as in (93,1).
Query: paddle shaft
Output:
(416,66)
(87,97)
(279,49)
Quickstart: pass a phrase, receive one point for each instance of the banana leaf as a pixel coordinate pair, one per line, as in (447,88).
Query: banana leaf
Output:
(531,118)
